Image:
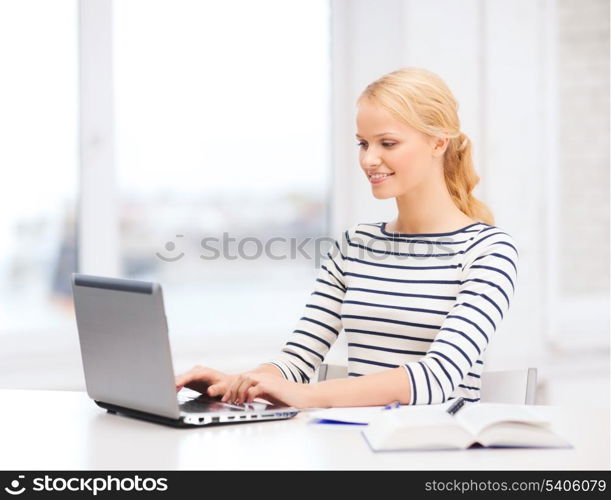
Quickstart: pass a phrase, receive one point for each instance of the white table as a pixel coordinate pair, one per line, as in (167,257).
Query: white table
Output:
(63,430)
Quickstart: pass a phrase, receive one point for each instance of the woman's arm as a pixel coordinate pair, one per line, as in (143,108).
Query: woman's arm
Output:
(269,368)
(303,351)
(487,286)
(369,390)
(320,324)
(376,389)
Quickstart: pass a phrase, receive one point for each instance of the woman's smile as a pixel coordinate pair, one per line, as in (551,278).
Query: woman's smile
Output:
(377,178)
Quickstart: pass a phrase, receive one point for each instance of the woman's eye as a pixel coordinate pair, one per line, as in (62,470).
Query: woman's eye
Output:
(385,144)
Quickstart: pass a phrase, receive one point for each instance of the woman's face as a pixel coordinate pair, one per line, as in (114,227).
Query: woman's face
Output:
(388,146)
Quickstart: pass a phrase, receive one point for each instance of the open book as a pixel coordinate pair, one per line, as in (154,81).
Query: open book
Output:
(486,424)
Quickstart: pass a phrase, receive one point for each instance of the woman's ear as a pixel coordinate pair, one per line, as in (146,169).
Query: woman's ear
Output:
(439,146)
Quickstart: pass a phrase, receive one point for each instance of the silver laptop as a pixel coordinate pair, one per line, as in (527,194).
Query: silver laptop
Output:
(127,360)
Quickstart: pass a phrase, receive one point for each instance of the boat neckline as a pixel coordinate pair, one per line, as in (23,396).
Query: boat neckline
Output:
(386,232)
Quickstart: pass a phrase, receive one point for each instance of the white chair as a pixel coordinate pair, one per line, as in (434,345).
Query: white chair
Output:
(509,386)
(502,386)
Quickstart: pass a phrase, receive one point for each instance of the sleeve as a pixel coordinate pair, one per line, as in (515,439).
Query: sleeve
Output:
(320,325)
(487,287)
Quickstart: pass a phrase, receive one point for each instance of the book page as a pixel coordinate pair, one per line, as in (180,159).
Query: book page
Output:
(415,428)
(477,416)
(425,416)
(513,434)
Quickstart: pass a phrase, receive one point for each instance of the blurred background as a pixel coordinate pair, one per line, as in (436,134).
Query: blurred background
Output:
(130,131)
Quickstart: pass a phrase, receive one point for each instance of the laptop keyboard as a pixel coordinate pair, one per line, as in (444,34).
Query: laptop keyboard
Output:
(202,404)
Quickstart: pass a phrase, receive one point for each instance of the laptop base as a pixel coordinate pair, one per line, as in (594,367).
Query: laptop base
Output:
(281,414)
(115,409)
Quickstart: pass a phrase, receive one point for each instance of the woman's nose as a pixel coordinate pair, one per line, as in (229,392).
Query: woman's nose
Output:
(370,160)
(371,154)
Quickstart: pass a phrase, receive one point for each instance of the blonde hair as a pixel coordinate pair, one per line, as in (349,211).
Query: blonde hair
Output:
(422,100)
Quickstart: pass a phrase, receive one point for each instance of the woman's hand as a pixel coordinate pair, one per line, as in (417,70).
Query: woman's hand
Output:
(245,387)
(205,380)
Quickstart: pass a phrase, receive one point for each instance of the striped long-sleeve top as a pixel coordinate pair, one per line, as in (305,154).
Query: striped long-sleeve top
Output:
(428,302)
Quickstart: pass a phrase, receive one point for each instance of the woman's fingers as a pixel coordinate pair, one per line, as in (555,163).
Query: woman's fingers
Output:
(198,378)
(232,393)
(240,396)
(252,393)
(188,376)
(230,389)
(260,390)
(218,389)
(245,387)
(237,389)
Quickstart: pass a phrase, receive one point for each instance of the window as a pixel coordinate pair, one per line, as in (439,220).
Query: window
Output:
(222,123)
(38,126)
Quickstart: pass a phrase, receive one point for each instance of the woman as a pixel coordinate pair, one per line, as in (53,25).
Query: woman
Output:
(418,297)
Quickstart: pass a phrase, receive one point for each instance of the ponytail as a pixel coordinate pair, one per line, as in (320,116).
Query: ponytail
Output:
(461,179)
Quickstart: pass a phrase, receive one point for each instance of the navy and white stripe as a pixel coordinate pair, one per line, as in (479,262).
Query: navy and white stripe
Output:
(428,302)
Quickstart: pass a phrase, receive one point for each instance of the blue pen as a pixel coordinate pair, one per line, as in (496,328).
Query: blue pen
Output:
(393,406)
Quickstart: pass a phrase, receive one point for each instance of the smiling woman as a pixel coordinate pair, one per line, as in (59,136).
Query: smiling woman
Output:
(418,298)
